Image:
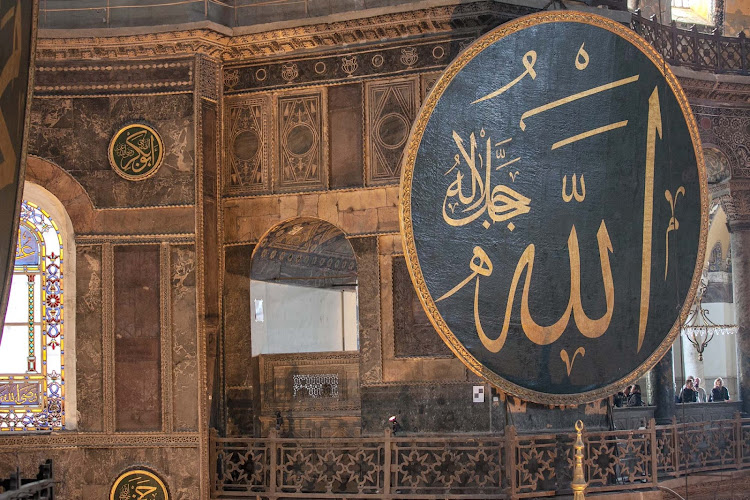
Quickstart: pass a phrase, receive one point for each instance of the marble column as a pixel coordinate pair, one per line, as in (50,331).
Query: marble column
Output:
(740,243)
(662,382)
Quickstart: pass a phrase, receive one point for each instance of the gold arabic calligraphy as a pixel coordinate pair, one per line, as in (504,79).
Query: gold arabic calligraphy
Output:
(471,195)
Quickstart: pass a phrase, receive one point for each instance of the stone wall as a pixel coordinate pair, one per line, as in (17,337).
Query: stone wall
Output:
(139,349)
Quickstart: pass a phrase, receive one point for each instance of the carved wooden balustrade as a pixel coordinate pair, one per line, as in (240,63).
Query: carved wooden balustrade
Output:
(693,49)
(473,466)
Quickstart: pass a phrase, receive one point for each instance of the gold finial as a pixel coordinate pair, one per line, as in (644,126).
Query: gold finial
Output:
(579,482)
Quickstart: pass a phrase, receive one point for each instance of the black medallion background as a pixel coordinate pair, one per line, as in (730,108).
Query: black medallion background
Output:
(613,164)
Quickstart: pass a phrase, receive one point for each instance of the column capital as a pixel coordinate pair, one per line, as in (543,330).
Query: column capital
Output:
(734,197)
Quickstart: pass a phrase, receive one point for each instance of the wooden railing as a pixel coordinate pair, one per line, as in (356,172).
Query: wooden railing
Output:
(509,465)
(40,488)
(693,49)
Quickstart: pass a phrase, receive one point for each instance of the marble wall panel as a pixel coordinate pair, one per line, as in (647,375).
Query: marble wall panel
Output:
(356,212)
(88,473)
(345,118)
(248,133)
(413,334)
(75,134)
(238,368)
(137,338)
(368,279)
(184,338)
(88,342)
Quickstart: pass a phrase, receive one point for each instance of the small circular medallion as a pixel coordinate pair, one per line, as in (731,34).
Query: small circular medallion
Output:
(246,145)
(136,152)
(300,139)
(138,483)
(393,130)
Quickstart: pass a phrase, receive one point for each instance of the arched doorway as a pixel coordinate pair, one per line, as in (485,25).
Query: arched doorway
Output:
(304,330)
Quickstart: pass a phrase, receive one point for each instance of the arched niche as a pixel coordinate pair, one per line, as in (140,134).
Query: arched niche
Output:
(303,289)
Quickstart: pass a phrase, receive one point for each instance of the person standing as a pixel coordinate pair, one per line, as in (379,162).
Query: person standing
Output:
(687,394)
(700,391)
(719,392)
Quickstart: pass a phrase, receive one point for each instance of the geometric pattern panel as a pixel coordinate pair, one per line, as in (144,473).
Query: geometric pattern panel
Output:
(301,162)
(248,134)
(391,109)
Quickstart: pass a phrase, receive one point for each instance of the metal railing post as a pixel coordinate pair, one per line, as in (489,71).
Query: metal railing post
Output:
(387,451)
(654,452)
(212,460)
(273,459)
(676,441)
(510,458)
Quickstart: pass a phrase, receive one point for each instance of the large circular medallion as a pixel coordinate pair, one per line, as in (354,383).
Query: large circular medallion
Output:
(553,207)
(137,484)
(136,152)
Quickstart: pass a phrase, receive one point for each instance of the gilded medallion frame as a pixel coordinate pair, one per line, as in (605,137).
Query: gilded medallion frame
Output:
(112,145)
(405,214)
(141,471)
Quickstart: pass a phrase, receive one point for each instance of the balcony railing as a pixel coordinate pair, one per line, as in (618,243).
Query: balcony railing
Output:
(699,51)
(40,488)
(473,466)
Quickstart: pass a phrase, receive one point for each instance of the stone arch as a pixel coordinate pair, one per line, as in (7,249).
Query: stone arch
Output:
(304,295)
(64,188)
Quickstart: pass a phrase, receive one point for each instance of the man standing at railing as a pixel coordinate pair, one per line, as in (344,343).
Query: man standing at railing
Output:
(688,394)
(700,391)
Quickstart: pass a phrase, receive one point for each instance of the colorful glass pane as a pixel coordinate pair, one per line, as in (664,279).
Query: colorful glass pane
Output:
(32,381)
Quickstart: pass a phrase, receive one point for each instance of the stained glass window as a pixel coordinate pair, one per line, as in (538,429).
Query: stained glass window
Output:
(32,376)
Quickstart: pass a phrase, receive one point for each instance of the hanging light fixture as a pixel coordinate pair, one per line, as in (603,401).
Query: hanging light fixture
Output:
(699,329)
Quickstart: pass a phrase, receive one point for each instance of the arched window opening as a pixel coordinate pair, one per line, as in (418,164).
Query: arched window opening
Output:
(304,290)
(34,347)
(701,12)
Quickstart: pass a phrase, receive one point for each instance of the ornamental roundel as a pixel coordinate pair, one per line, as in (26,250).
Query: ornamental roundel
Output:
(138,484)
(553,207)
(136,152)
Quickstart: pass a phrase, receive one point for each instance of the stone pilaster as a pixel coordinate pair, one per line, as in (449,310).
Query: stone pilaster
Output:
(662,382)
(734,196)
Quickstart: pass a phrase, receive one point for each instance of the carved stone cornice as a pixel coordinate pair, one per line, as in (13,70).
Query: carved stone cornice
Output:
(470,17)
(717,91)
(734,197)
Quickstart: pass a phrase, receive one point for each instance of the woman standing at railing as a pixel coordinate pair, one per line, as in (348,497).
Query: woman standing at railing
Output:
(719,392)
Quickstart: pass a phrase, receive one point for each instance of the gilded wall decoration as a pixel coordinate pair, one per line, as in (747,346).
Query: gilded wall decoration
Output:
(247,133)
(136,152)
(139,484)
(526,154)
(390,107)
(301,150)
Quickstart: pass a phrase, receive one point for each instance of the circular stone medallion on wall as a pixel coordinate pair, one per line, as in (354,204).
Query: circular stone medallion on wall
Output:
(136,152)
(137,484)
(553,207)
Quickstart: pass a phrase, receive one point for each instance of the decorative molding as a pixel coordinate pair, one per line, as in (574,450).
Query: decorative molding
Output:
(134,239)
(108,335)
(165,299)
(302,141)
(389,59)
(472,17)
(209,78)
(390,109)
(249,142)
(105,440)
(57,78)
(728,131)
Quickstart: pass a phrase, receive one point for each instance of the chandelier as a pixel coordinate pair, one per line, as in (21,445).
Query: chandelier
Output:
(699,329)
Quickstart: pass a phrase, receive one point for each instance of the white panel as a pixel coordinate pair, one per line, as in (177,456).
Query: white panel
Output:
(18,303)
(14,350)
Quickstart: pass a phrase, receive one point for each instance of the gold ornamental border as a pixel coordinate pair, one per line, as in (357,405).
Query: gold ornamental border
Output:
(140,472)
(157,162)
(405,220)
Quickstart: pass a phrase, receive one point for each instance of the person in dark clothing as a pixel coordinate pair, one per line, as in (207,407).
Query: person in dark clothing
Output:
(635,398)
(719,392)
(688,394)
